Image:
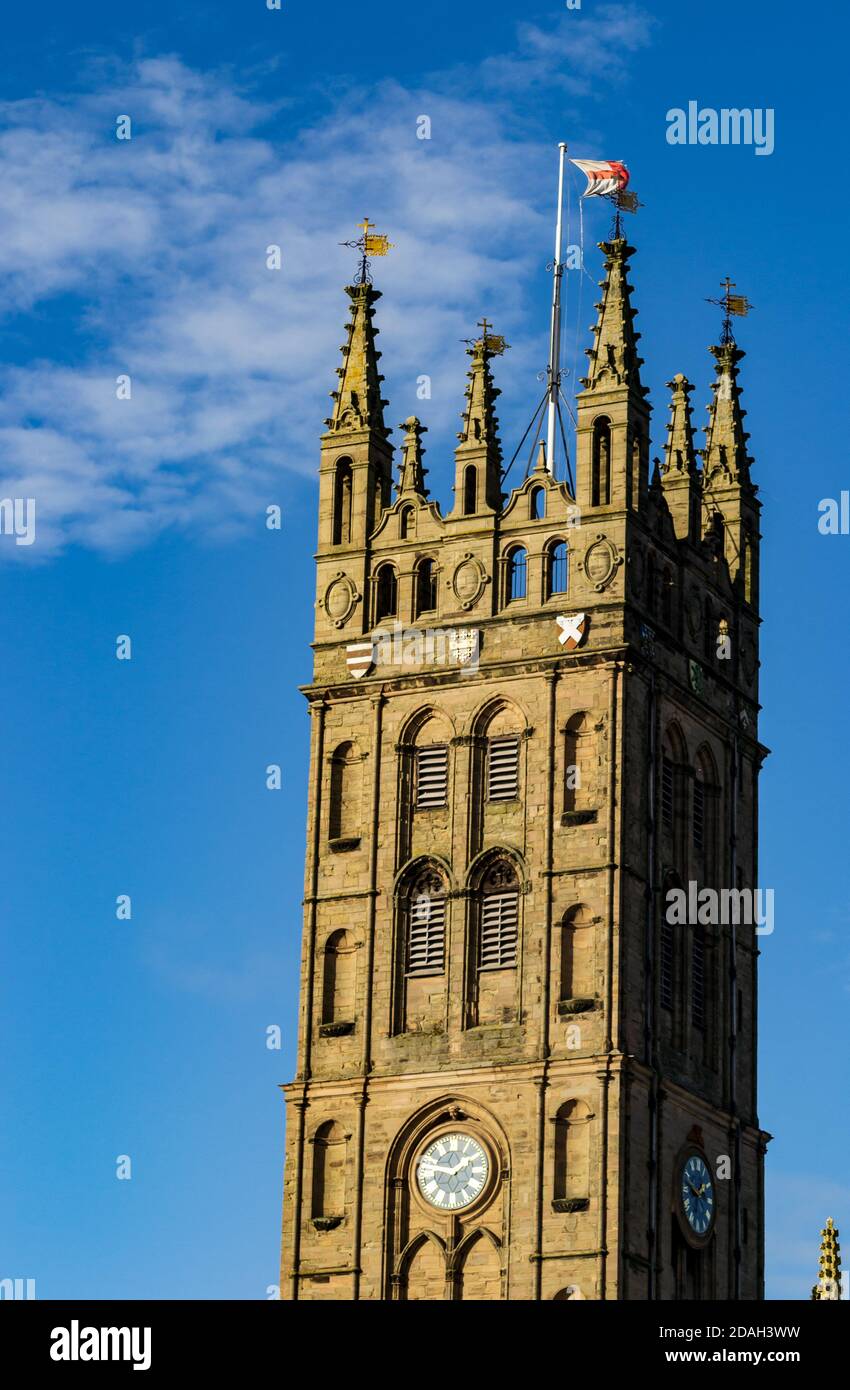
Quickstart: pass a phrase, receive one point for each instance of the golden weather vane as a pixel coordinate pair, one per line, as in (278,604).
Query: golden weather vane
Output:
(493,342)
(731,304)
(370,243)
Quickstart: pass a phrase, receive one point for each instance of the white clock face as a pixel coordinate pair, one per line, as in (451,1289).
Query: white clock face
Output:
(452,1171)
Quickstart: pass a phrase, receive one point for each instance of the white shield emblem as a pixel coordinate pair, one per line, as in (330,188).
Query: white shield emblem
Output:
(463,644)
(359,658)
(573,629)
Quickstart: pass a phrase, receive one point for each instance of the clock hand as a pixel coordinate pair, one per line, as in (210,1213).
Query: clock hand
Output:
(442,1168)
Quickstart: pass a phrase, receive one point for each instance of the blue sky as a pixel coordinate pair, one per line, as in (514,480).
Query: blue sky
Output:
(147,257)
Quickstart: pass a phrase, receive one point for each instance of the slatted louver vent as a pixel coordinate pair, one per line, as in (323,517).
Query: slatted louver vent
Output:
(499,923)
(698,980)
(666,965)
(699,815)
(503,769)
(667,791)
(432,775)
(426,947)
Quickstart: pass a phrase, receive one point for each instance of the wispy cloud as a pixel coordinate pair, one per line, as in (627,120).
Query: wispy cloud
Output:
(158,244)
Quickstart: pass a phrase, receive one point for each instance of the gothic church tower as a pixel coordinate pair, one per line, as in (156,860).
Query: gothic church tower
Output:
(532,718)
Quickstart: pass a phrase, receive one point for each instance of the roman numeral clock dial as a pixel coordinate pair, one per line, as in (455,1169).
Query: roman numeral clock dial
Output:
(452,1172)
(696,1193)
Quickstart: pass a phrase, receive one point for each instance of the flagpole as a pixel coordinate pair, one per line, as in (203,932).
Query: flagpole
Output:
(554,374)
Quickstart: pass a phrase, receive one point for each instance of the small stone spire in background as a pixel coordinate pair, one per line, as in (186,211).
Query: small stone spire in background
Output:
(829,1265)
(411,477)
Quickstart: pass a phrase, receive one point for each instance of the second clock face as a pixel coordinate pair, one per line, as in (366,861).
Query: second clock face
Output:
(697,1191)
(452,1171)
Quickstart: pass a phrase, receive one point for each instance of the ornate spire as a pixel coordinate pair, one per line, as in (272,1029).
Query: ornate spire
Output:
(614,359)
(357,400)
(680,458)
(480,423)
(725,457)
(829,1264)
(411,477)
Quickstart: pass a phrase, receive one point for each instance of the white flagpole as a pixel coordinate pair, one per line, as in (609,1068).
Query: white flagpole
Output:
(555,333)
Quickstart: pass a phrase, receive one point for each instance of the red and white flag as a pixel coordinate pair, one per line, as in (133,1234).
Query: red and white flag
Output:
(604,176)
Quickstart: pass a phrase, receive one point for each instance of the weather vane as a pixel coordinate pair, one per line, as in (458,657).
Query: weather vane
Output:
(731,304)
(371,243)
(494,343)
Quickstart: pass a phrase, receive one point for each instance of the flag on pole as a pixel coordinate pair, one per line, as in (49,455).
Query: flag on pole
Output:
(604,176)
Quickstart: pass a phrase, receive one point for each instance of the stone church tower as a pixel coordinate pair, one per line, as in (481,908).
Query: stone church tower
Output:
(532,718)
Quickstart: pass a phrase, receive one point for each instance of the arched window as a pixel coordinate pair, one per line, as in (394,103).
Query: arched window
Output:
(704,816)
(386,602)
(470,490)
(339,979)
(698,981)
(668,965)
(479,1278)
(426,924)
(600,489)
(749,566)
(503,768)
(537,504)
(499,923)
(329,1162)
(580,752)
(673,799)
(577,970)
(572,1151)
(342,502)
(431,787)
(426,587)
(557,569)
(517,573)
(344,817)
(406,523)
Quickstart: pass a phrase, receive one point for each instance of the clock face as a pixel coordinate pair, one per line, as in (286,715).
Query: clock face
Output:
(452,1171)
(697,1193)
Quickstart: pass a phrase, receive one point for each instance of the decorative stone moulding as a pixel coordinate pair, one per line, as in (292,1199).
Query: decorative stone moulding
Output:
(570,1204)
(335,1030)
(601,562)
(469,581)
(327,1223)
(340,599)
(342,844)
(578,818)
(577,1006)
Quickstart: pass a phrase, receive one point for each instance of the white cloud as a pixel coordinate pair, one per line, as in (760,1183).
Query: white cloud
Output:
(161,240)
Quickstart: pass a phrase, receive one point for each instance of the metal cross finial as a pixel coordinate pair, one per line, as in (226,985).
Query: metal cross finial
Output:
(371,243)
(484,324)
(730,303)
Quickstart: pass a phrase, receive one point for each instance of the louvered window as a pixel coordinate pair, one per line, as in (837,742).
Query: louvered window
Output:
(499,925)
(426,937)
(667,792)
(503,769)
(699,815)
(432,773)
(499,917)
(666,965)
(698,979)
